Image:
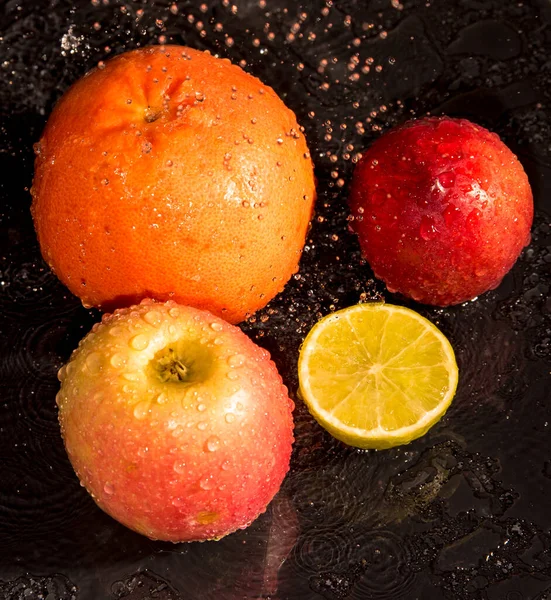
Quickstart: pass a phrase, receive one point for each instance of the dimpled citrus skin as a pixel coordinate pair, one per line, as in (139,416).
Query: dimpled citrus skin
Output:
(176,461)
(172,174)
(442,209)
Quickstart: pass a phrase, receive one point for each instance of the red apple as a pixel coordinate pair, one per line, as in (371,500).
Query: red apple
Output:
(177,424)
(442,209)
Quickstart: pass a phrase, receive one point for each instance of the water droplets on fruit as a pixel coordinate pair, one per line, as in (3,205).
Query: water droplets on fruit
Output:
(94,363)
(142,409)
(131,376)
(229,417)
(161,398)
(108,488)
(139,342)
(446,179)
(117,361)
(205,483)
(201,407)
(215,326)
(213,443)
(236,360)
(427,229)
(202,425)
(179,467)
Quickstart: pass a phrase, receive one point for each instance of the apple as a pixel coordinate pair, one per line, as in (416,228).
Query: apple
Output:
(442,209)
(176,423)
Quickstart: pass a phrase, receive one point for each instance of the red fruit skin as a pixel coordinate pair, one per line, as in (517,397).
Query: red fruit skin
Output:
(442,209)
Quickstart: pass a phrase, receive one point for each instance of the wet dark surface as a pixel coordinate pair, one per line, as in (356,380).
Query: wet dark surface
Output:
(464,512)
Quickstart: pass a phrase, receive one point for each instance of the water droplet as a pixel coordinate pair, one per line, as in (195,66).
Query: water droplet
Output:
(229,418)
(179,466)
(117,361)
(202,425)
(213,443)
(161,398)
(105,181)
(232,375)
(205,484)
(236,360)
(94,363)
(201,407)
(216,326)
(139,342)
(174,312)
(177,502)
(447,179)
(225,465)
(116,331)
(153,317)
(131,376)
(427,229)
(108,488)
(62,373)
(141,409)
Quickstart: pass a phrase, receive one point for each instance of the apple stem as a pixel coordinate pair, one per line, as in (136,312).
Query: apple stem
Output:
(172,369)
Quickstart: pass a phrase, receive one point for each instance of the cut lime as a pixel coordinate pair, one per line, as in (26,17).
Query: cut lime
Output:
(377,375)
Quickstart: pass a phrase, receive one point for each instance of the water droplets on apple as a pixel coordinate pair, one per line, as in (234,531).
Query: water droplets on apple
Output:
(213,443)
(139,342)
(142,409)
(162,398)
(236,360)
(152,317)
(205,483)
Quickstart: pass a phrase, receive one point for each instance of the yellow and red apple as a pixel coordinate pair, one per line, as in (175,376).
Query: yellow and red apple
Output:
(177,424)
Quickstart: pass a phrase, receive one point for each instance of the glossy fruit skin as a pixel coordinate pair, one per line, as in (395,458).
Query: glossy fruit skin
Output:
(173,174)
(442,209)
(171,461)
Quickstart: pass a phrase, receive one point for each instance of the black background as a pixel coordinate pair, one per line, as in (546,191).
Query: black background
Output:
(464,512)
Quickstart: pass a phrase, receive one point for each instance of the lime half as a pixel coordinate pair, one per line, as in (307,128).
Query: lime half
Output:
(377,375)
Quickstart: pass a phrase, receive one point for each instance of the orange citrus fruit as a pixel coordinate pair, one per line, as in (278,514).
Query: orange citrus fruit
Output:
(172,174)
